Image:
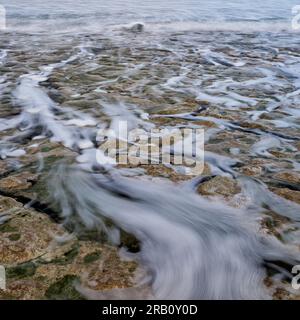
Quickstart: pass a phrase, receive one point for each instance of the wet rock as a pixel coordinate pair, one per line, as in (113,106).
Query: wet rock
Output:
(64,289)
(220,115)
(288,194)
(270,226)
(35,231)
(44,261)
(206,123)
(20,181)
(169,121)
(291,177)
(252,170)
(21,271)
(273,224)
(130,242)
(14,237)
(219,186)
(137,27)
(3,167)
(92,257)
(9,205)
(162,171)
(252,125)
(278,154)
(285,294)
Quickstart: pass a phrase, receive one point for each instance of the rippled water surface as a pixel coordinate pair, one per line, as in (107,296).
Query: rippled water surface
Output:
(94,14)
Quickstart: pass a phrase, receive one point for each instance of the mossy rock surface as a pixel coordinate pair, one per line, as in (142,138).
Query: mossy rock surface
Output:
(21,271)
(6,227)
(14,237)
(67,257)
(64,289)
(92,257)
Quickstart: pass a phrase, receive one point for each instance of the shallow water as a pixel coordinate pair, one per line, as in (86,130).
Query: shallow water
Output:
(232,70)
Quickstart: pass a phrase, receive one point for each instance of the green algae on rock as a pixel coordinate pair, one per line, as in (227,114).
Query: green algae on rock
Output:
(40,267)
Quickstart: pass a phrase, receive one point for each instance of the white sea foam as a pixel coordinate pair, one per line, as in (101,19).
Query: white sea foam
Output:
(220,255)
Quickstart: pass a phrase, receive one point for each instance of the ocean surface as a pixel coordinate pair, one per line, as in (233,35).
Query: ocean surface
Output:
(91,15)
